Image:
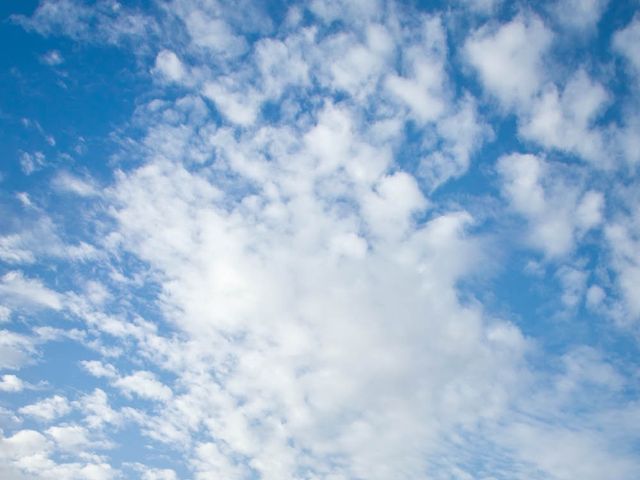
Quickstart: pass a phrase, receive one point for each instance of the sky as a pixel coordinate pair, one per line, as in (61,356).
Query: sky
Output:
(321,240)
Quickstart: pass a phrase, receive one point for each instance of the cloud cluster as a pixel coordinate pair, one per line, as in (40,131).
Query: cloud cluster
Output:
(276,285)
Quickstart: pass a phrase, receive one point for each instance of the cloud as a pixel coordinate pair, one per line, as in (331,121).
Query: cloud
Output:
(422,88)
(293,274)
(509,58)
(69,183)
(97,410)
(31,162)
(48,409)
(625,41)
(622,237)
(11,383)
(565,120)
(145,385)
(69,437)
(336,342)
(27,454)
(106,21)
(557,210)
(18,290)
(169,66)
(12,249)
(15,349)
(52,58)
(148,473)
(579,15)
(37,237)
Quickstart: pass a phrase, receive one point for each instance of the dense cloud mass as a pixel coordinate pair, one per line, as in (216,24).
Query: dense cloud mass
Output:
(323,240)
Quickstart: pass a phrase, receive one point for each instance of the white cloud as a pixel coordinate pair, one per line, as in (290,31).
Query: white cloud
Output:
(97,411)
(422,89)
(566,120)
(69,183)
(105,21)
(69,437)
(573,281)
(240,107)
(48,409)
(98,369)
(18,290)
(24,444)
(145,385)
(53,58)
(31,162)
(622,238)
(578,15)
(625,42)
(5,313)
(15,349)
(169,66)
(595,296)
(14,250)
(461,132)
(308,298)
(556,208)
(27,454)
(11,383)
(213,33)
(38,237)
(317,344)
(509,58)
(149,473)
(565,454)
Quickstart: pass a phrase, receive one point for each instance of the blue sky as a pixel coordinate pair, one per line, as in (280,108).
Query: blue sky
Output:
(324,240)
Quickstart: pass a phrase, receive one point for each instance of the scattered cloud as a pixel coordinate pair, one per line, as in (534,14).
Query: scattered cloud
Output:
(11,383)
(52,58)
(48,409)
(557,209)
(625,41)
(287,267)
(19,290)
(509,58)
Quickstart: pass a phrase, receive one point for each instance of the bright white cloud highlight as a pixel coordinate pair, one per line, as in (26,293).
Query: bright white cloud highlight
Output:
(509,58)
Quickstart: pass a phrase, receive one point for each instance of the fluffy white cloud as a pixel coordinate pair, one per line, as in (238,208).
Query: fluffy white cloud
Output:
(556,208)
(625,41)
(509,58)
(422,86)
(579,15)
(622,238)
(169,65)
(11,383)
(325,349)
(15,349)
(27,454)
(69,437)
(285,287)
(16,289)
(48,409)
(145,385)
(565,120)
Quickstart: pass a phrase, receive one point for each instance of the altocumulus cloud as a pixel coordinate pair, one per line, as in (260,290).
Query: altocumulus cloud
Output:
(316,240)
